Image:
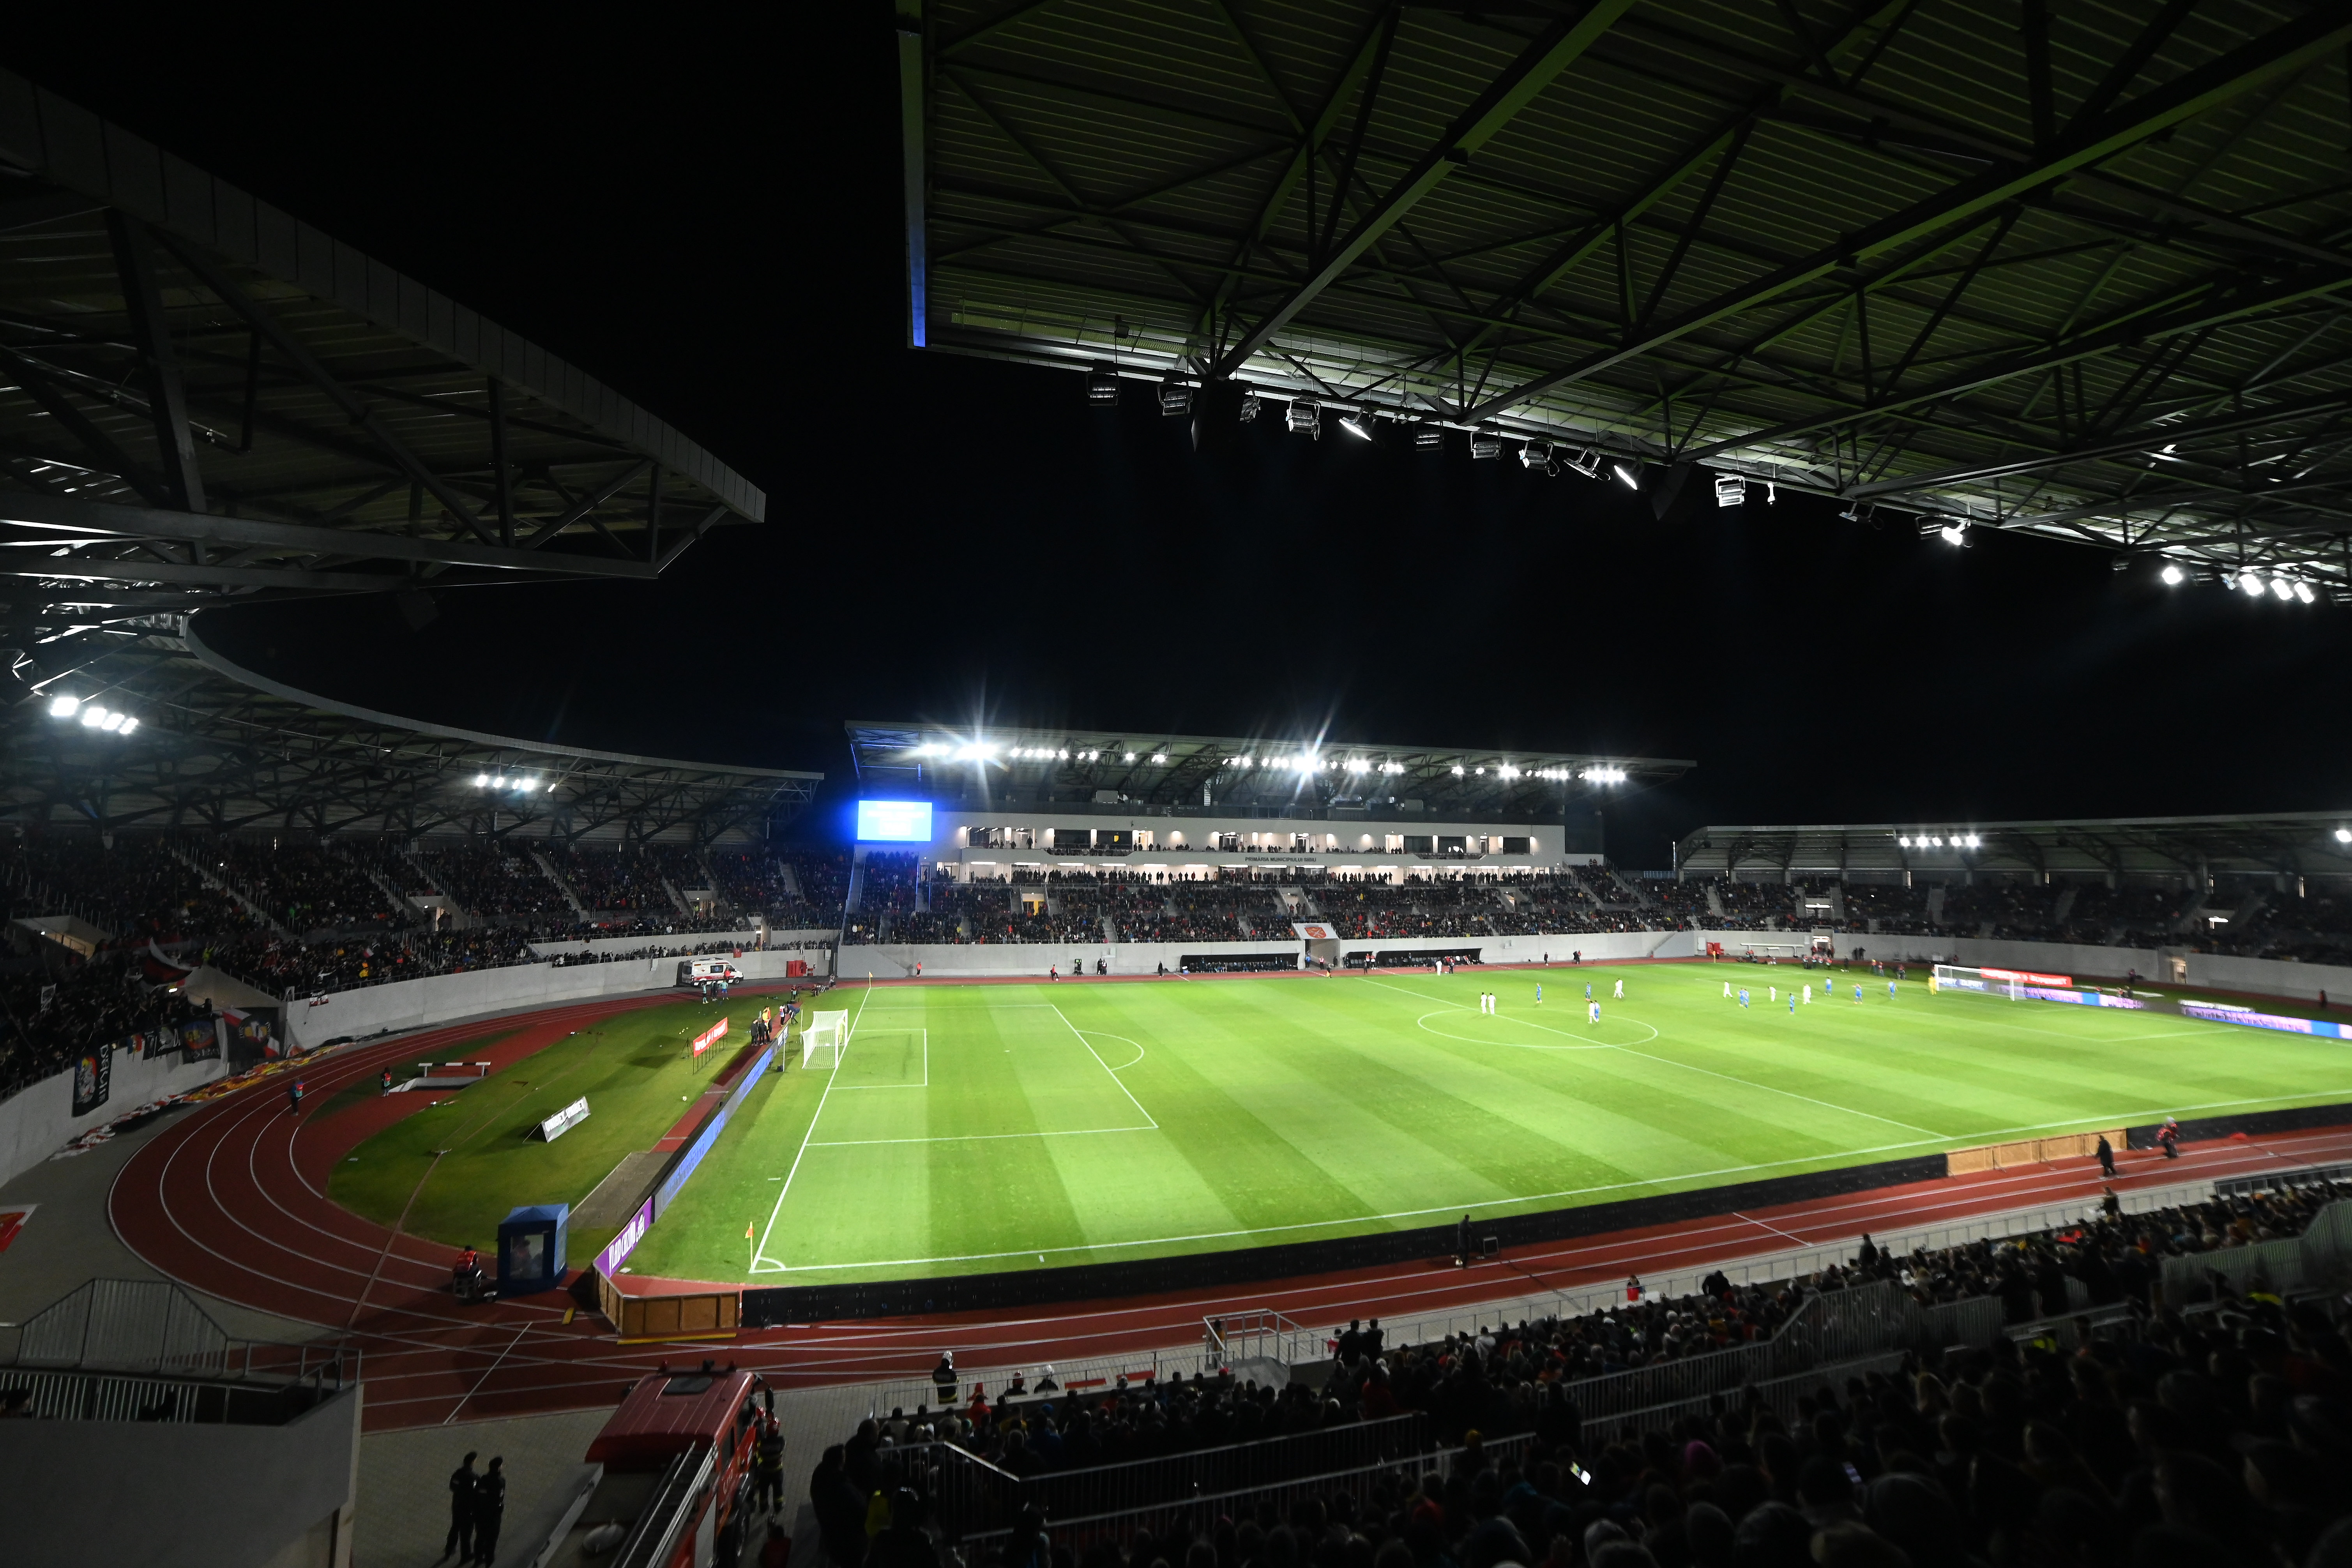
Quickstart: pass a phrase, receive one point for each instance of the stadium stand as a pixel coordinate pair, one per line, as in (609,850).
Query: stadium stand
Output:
(2015,1451)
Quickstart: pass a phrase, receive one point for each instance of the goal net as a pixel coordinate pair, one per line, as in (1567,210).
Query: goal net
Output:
(2016,985)
(820,1039)
(1772,952)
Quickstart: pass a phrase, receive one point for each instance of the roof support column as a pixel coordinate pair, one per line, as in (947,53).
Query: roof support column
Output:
(167,397)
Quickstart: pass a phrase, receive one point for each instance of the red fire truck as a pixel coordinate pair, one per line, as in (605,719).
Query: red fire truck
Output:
(676,1459)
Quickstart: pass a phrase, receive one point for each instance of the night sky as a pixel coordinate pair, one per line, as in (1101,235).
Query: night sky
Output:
(709,221)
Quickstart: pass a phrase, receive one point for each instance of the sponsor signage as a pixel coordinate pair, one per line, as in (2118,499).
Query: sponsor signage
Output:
(2026,978)
(711,1036)
(564,1121)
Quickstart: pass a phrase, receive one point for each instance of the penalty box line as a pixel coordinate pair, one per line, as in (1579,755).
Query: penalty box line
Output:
(926,1083)
(761,1251)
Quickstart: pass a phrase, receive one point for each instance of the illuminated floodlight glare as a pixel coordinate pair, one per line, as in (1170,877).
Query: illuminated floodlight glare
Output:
(2343,835)
(1457,771)
(2172,575)
(1391,767)
(1626,475)
(1905,841)
(1604,776)
(93,716)
(1354,426)
(1974,842)
(1160,759)
(481,780)
(111,721)
(1358,765)
(2252,584)
(2303,591)
(63,706)
(1952,534)
(1507,771)
(1130,756)
(127,726)
(2283,589)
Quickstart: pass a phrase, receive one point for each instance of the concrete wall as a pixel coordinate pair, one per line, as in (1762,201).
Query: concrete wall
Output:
(683,939)
(441,998)
(896,960)
(36,1121)
(173,1494)
(2218,971)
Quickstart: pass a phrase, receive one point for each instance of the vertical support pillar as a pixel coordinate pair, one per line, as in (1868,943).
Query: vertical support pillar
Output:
(653,516)
(167,398)
(913,113)
(499,463)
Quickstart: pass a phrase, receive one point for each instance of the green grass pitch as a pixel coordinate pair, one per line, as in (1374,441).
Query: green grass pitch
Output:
(980,1128)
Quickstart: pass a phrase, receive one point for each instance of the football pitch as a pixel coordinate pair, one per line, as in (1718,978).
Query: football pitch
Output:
(984,1127)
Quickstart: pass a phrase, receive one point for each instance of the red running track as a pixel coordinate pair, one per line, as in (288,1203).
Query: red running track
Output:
(231,1199)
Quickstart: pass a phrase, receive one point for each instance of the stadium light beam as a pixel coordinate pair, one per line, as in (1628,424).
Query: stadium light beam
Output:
(2343,835)
(2302,590)
(2172,575)
(1626,475)
(63,706)
(1354,426)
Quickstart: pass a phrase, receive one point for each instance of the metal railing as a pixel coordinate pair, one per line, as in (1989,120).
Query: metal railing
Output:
(1259,1334)
(153,1327)
(1187,1517)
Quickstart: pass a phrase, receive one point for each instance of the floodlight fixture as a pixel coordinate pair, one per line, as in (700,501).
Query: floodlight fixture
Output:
(1604,776)
(2302,590)
(1357,425)
(1130,756)
(1250,405)
(112,722)
(1102,386)
(1585,461)
(2343,835)
(62,707)
(127,726)
(1428,438)
(1974,842)
(2172,575)
(93,716)
(2251,583)
(1771,493)
(1457,771)
(1904,840)
(1485,444)
(1160,759)
(1954,533)
(2282,588)
(1307,414)
(1534,455)
(481,780)
(1175,400)
(1731,490)
(1626,475)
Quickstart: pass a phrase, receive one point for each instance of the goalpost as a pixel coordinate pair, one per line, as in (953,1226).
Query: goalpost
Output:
(1772,952)
(821,1037)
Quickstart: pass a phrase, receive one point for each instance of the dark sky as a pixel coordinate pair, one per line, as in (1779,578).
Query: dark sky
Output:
(708,219)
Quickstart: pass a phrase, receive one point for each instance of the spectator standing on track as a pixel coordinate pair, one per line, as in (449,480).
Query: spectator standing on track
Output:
(489,1512)
(1463,1243)
(462,1484)
(294,1097)
(2106,1156)
(385,1078)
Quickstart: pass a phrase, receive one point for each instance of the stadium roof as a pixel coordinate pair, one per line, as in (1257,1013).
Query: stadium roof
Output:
(219,747)
(2288,844)
(204,400)
(2078,271)
(1152,769)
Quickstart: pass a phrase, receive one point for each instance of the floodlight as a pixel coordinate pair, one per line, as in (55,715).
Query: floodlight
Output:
(1307,414)
(1507,771)
(1457,771)
(127,726)
(1604,776)
(2343,835)
(1953,533)
(63,706)
(2171,575)
(1130,756)
(2282,588)
(1428,438)
(1731,490)
(1160,759)
(1905,841)
(1771,494)
(1585,461)
(2303,591)
(481,780)
(1102,386)
(1626,475)
(1973,842)
(1354,425)
(93,716)
(1534,455)
(1175,400)
(1250,405)
(112,721)
(2252,584)
(1485,444)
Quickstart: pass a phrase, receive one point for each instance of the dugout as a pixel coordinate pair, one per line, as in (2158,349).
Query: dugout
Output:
(1236,963)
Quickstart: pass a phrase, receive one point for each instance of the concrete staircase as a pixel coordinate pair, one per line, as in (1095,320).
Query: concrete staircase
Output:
(205,875)
(569,897)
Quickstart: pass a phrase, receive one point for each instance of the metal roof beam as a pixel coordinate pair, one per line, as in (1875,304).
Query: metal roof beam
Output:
(2287,49)
(1553,51)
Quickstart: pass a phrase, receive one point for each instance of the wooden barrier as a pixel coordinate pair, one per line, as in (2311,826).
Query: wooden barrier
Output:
(709,1314)
(2032,1152)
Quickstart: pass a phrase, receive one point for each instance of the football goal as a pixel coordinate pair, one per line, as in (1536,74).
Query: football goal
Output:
(821,1037)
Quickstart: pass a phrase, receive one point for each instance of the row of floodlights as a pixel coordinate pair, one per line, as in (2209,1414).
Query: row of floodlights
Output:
(2285,588)
(1940,841)
(519,783)
(92,716)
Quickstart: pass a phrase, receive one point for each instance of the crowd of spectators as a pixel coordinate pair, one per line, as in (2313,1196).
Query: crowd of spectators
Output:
(308,888)
(55,1004)
(606,881)
(1894,909)
(493,881)
(2160,1438)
